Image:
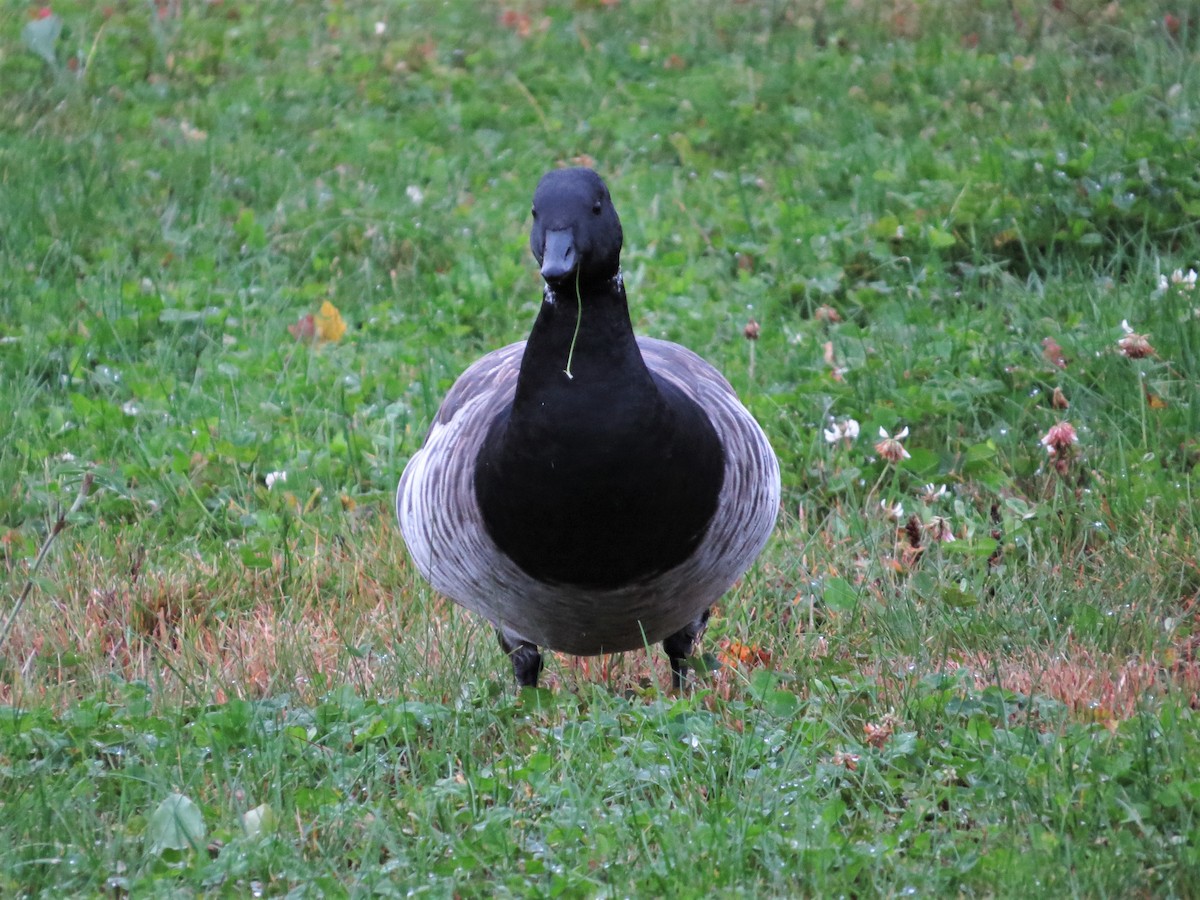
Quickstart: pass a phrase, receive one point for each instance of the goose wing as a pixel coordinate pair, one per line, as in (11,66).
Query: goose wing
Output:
(435,502)
(749,500)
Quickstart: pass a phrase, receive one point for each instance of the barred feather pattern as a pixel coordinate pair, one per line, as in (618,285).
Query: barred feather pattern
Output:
(444,530)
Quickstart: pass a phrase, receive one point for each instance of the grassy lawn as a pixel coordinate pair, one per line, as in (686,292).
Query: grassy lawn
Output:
(245,247)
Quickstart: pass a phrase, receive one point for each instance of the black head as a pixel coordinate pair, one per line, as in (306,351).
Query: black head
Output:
(576,232)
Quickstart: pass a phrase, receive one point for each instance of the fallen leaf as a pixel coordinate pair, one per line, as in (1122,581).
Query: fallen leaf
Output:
(305,329)
(735,653)
(519,22)
(329,323)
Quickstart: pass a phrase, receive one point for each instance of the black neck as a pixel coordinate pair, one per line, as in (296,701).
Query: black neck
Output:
(567,355)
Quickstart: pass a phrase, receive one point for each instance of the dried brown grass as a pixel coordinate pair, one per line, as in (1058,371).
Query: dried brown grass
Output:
(350,611)
(1090,684)
(210,628)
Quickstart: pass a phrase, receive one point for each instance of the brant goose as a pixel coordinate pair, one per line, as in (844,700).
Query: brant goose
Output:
(585,490)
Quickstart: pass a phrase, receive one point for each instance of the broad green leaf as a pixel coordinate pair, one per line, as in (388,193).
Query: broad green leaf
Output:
(41,36)
(177,824)
(958,598)
(840,595)
(921,461)
(781,703)
(256,553)
(1020,508)
(260,821)
(939,239)
(979,546)
(979,452)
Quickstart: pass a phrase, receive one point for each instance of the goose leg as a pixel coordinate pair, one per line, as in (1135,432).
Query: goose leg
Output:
(680,646)
(526,660)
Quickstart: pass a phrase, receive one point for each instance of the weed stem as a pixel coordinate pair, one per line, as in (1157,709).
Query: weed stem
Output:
(60,523)
(578,319)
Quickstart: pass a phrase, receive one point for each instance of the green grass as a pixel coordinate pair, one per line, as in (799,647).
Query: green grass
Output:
(909,202)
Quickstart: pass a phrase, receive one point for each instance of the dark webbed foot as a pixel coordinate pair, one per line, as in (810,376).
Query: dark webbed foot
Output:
(526,660)
(680,646)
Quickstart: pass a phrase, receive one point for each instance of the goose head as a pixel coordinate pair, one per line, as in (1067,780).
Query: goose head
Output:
(576,233)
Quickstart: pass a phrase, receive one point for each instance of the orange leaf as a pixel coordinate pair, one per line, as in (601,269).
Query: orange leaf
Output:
(329,323)
(735,653)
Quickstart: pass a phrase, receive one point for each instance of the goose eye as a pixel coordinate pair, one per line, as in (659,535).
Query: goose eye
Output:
(596,208)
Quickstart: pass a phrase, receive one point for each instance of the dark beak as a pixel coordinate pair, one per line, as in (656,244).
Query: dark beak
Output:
(558,256)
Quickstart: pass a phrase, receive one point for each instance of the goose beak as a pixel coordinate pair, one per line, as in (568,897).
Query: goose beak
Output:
(559,258)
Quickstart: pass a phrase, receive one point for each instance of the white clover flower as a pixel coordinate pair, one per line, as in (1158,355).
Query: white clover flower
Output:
(1132,344)
(845,430)
(895,511)
(1179,280)
(274,477)
(931,493)
(1185,280)
(890,447)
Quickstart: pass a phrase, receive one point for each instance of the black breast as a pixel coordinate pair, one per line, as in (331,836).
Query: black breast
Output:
(599,486)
